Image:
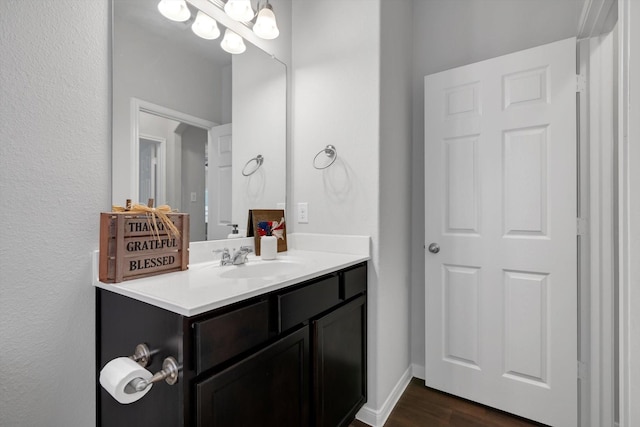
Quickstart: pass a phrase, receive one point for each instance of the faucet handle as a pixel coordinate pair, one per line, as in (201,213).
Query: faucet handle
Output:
(226,256)
(247,249)
(224,251)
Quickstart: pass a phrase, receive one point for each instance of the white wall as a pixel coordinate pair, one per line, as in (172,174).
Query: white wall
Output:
(54,181)
(451,33)
(336,81)
(394,284)
(338,64)
(259,127)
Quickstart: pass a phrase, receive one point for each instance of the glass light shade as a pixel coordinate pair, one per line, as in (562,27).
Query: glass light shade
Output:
(175,10)
(265,26)
(232,42)
(240,10)
(205,26)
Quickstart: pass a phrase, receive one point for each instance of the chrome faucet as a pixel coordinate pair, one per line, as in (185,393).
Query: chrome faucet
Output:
(238,257)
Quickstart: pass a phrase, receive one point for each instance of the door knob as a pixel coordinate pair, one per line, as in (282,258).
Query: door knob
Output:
(434,248)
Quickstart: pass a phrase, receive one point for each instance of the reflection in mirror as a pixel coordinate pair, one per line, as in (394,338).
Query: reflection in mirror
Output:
(188,116)
(173,152)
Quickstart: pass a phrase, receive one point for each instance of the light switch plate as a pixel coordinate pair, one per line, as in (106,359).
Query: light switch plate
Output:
(303,213)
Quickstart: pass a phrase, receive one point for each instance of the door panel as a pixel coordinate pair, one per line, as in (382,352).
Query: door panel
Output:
(500,191)
(462,190)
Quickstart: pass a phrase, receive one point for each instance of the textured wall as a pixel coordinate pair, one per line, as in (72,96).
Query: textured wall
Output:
(54,169)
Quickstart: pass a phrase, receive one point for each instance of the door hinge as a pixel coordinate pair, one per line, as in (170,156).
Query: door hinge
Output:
(583,373)
(581,83)
(582,226)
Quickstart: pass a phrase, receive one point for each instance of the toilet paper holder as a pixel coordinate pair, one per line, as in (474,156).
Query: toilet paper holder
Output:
(142,355)
(168,373)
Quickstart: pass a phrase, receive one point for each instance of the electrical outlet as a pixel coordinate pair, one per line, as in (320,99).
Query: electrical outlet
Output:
(194,196)
(303,213)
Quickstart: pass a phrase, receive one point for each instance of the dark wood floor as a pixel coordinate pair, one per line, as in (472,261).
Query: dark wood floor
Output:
(420,406)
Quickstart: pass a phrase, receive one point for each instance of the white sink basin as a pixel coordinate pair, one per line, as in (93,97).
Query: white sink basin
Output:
(262,269)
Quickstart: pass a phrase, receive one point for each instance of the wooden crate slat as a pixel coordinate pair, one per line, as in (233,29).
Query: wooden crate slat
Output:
(131,249)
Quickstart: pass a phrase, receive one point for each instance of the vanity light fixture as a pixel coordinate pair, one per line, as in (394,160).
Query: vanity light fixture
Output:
(239,10)
(175,10)
(205,26)
(265,26)
(232,42)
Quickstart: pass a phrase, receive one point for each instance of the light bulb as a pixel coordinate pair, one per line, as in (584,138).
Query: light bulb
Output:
(240,10)
(205,26)
(265,26)
(175,10)
(232,42)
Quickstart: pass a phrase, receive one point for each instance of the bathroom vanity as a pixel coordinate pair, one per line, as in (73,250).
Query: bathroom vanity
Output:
(253,350)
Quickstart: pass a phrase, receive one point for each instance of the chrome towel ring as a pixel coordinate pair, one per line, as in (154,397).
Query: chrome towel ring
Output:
(331,152)
(258,159)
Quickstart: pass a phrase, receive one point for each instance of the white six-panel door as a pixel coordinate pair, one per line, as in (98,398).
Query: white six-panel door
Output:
(500,203)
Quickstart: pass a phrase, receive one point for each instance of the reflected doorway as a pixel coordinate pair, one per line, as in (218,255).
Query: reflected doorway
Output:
(152,168)
(185,162)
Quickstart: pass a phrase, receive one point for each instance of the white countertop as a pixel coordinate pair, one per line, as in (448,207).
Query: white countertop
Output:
(203,286)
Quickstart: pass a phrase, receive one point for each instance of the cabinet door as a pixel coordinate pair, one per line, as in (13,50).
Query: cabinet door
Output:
(269,388)
(339,364)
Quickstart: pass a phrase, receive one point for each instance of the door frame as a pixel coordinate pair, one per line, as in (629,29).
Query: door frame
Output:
(598,263)
(137,105)
(628,212)
(597,342)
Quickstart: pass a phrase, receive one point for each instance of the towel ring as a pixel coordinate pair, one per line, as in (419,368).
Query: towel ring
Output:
(258,159)
(331,152)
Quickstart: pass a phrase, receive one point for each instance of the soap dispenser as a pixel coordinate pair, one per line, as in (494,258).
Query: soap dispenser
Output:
(234,233)
(268,246)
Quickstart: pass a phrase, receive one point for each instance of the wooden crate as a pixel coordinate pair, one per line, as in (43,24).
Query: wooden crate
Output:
(129,248)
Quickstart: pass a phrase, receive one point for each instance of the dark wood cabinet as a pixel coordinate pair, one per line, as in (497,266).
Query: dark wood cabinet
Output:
(340,364)
(272,386)
(293,357)
(222,337)
(121,324)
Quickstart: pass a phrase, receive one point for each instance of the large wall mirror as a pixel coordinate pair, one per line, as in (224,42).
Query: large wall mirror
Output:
(195,127)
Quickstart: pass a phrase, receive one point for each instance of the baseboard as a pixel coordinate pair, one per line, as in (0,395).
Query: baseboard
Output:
(418,371)
(377,418)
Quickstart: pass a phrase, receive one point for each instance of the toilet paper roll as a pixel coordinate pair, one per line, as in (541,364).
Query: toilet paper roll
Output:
(116,375)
